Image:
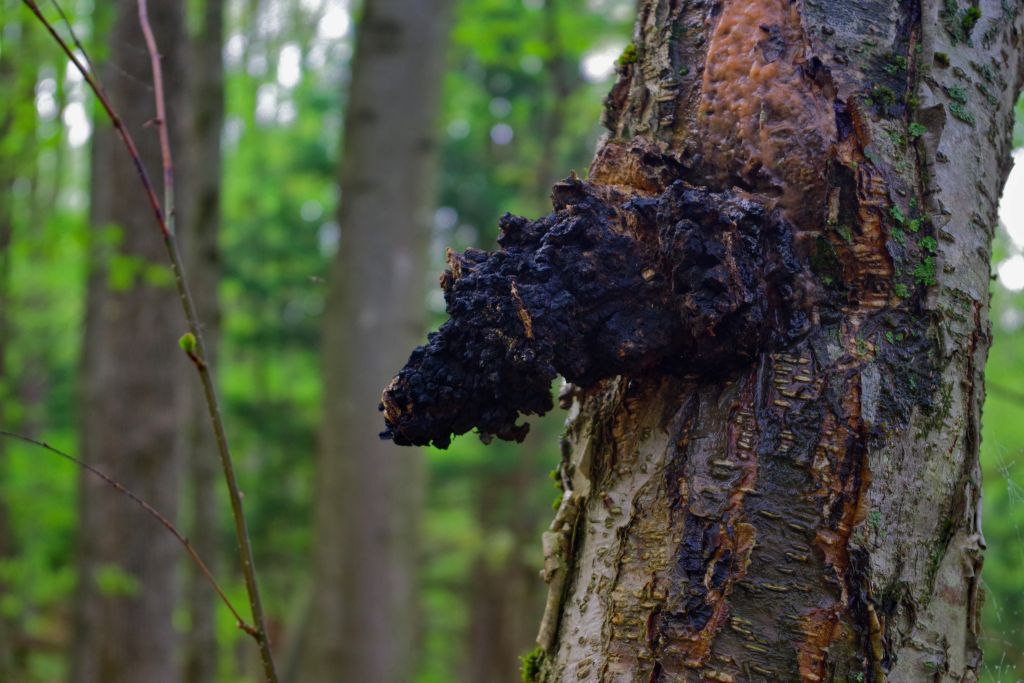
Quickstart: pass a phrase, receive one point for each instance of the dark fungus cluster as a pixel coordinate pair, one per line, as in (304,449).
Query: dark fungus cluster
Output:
(690,282)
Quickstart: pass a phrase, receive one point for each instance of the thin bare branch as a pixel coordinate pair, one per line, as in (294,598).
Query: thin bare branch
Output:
(201,365)
(74,36)
(161,113)
(92,81)
(150,510)
(165,221)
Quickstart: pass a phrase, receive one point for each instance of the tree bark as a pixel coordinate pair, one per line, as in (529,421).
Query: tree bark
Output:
(200,190)
(771,297)
(132,376)
(814,516)
(368,493)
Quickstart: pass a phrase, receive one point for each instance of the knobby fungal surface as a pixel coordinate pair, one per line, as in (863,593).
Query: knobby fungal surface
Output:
(765,111)
(691,282)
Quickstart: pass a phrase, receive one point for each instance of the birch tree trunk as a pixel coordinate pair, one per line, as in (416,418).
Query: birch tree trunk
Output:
(771,300)
(368,493)
(814,515)
(132,376)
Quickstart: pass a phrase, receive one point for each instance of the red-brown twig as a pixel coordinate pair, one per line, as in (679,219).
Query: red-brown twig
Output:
(150,510)
(202,367)
(97,89)
(161,110)
(71,32)
(165,222)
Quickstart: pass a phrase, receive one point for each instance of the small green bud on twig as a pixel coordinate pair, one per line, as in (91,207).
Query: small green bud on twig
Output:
(190,346)
(188,343)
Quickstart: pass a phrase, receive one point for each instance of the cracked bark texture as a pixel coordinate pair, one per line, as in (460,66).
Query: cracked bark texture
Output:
(815,515)
(742,506)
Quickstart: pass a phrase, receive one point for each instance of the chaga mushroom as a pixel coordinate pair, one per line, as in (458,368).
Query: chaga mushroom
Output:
(691,282)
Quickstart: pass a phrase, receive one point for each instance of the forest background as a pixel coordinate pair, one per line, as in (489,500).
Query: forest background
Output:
(521,99)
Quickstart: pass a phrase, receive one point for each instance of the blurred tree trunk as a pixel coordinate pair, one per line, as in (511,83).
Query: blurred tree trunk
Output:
(500,621)
(814,516)
(368,493)
(132,378)
(560,83)
(504,596)
(200,191)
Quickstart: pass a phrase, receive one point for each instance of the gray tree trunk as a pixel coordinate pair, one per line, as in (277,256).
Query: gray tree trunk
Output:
(201,191)
(368,493)
(132,376)
(815,514)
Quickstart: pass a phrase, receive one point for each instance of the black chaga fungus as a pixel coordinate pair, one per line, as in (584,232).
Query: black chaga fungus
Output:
(691,282)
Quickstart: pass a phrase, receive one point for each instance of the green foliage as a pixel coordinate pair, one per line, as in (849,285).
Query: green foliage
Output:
(1002,461)
(113,582)
(628,56)
(959,23)
(43,306)
(1018,124)
(916,130)
(882,96)
(957,94)
(897,214)
(924,272)
(896,66)
(969,18)
(188,343)
(530,665)
(127,271)
(875,517)
(960,112)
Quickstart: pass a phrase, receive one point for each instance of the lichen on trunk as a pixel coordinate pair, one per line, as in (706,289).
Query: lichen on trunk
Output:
(790,494)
